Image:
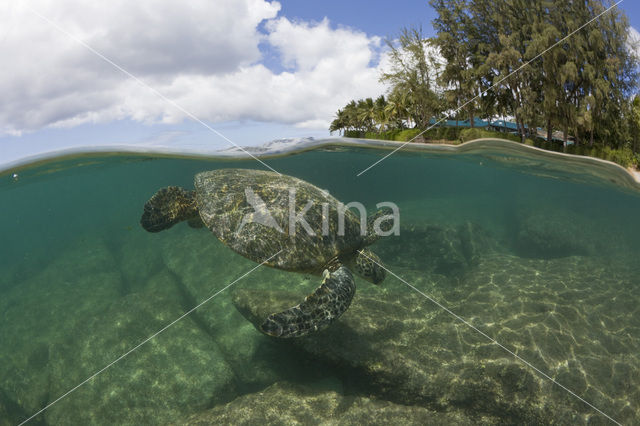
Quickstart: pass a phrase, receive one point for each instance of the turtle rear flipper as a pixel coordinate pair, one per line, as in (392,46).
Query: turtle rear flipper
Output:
(318,310)
(167,207)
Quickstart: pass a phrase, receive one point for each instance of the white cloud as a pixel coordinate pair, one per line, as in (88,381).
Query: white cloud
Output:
(203,54)
(634,40)
(307,45)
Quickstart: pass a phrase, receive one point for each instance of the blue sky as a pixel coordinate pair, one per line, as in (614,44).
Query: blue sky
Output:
(382,18)
(254,70)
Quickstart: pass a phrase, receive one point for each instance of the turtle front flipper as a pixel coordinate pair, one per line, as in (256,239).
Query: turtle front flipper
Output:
(167,207)
(318,310)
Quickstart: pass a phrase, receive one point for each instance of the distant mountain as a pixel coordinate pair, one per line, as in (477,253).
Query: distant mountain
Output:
(274,146)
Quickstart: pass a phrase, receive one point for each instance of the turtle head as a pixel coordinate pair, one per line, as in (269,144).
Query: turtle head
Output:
(368,265)
(167,207)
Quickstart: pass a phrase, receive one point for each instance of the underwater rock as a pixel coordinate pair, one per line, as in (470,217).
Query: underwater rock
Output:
(6,416)
(10,412)
(200,262)
(445,250)
(551,234)
(175,373)
(399,349)
(138,257)
(286,403)
(81,281)
(397,345)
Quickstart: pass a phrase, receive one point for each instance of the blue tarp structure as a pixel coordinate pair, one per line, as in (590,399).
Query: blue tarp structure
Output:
(461,123)
(499,125)
(502,125)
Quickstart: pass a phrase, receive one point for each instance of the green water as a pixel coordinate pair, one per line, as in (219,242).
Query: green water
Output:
(542,263)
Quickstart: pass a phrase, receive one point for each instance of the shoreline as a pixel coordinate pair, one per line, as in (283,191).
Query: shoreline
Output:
(635,173)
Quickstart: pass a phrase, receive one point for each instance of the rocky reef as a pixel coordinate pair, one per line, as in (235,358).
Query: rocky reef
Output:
(439,249)
(551,234)
(399,346)
(287,403)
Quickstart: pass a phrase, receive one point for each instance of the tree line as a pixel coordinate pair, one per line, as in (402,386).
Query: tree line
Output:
(475,66)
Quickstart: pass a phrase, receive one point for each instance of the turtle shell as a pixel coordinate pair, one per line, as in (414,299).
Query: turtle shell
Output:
(254,213)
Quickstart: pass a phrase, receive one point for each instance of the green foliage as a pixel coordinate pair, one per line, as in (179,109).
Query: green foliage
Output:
(413,76)
(389,135)
(623,156)
(464,68)
(634,124)
(354,134)
(471,134)
(451,134)
(359,117)
(579,87)
(407,135)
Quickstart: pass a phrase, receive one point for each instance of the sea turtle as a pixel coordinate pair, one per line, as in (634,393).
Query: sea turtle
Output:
(259,214)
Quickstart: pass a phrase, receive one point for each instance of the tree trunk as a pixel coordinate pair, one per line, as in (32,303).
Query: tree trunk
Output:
(549,130)
(520,125)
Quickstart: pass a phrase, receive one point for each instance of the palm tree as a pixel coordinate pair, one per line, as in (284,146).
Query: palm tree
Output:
(380,113)
(351,116)
(366,114)
(397,107)
(339,123)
